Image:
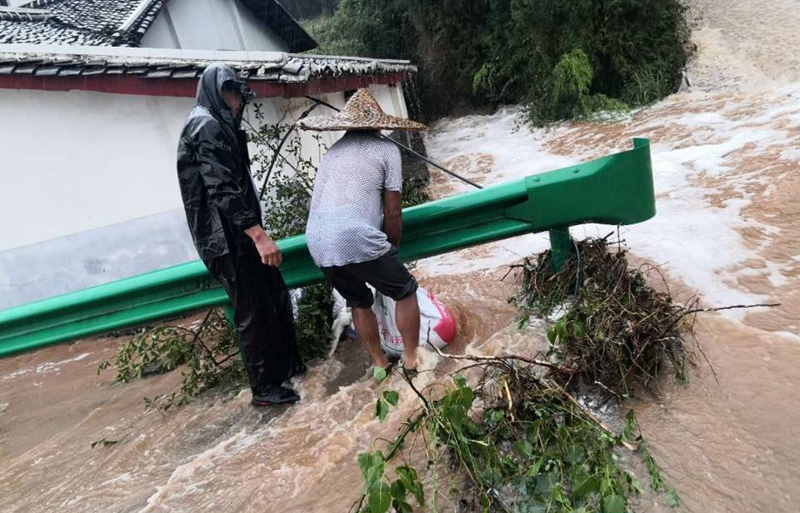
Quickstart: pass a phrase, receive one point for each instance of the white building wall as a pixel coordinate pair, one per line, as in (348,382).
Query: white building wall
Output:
(211,25)
(73,161)
(90,192)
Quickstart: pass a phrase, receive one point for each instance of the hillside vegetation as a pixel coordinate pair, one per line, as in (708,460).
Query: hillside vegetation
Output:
(560,60)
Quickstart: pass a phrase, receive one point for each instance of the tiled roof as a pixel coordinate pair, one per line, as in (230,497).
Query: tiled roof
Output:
(17,14)
(80,22)
(118,22)
(57,61)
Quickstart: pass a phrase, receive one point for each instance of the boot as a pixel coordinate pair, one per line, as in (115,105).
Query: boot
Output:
(274,395)
(267,393)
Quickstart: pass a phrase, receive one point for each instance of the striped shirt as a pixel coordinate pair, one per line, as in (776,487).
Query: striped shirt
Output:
(346,218)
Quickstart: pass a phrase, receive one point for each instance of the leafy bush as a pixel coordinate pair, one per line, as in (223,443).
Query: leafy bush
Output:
(209,354)
(613,327)
(565,94)
(514,428)
(314,320)
(520,441)
(563,60)
(305,9)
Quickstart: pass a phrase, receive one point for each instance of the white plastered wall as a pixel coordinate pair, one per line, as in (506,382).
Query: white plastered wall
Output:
(89,188)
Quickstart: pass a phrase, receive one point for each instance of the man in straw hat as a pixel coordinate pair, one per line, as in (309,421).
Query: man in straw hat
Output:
(355,225)
(224,216)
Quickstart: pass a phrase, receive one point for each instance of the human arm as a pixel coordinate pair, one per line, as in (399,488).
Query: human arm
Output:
(392,196)
(267,249)
(393,217)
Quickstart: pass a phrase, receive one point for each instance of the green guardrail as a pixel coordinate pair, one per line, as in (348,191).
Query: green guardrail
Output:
(615,190)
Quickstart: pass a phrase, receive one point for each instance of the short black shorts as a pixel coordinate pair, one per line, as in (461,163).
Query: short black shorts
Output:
(386,274)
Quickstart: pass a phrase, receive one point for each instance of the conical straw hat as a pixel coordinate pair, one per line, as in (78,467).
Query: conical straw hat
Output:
(361,112)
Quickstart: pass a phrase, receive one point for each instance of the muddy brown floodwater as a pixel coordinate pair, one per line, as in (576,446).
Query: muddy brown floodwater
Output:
(726,156)
(218,452)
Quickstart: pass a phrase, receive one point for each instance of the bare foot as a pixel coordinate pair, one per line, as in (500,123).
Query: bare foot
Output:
(410,360)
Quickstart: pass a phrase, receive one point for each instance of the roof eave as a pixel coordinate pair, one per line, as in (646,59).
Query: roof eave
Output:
(170,72)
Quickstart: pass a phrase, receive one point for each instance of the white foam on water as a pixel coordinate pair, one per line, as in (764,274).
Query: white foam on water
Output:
(122,478)
(180,481)
(697,242)
(44,368)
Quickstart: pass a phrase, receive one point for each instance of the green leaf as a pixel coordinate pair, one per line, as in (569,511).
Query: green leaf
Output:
(379,373)
(551,334)
(575,455)
(463,396)
(398,490)
(585,487)
(380,499)
(372,467)
(391,397)
(558,495)
(460,381)
(613,504)
(494,416)
(534,470)
(381,409)
(561,330)
(456,415)
(524,448)
(412,483)
(671,498)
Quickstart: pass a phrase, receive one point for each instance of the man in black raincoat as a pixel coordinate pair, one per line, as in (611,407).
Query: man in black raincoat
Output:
(224,216)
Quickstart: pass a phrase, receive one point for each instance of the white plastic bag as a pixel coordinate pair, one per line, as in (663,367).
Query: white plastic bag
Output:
(437,325)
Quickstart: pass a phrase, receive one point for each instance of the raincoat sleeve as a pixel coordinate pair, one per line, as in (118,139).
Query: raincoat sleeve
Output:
(217,170)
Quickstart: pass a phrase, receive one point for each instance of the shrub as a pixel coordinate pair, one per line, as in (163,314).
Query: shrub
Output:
(562,60)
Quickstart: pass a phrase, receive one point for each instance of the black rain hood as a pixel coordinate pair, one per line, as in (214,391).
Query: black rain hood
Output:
(214,171)
(209,93)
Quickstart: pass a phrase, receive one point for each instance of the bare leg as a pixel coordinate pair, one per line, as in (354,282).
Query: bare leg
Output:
(408,324)
(367,328)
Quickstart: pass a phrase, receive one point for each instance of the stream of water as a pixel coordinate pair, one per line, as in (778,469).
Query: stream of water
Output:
(725,152)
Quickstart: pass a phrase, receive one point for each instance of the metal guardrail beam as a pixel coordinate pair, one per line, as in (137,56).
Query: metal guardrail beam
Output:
(616,190)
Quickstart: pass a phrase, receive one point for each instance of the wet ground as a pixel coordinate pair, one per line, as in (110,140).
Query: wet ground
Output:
(216,452)
(725,155)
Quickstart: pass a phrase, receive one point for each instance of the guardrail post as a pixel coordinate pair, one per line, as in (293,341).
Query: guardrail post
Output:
(560,246)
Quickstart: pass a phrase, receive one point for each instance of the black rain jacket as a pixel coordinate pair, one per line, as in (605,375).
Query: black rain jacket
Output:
(214,172)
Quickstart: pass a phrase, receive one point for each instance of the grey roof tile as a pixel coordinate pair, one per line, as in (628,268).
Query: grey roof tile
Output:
(147,63)
(103,22)
(25,69)
(164,73)
(68,72)
(47,71)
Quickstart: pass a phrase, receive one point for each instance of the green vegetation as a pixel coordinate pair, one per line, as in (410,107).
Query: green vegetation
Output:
(612,327)
(305,9)
(515,434)
(561,60)
(209,355)
(519,442)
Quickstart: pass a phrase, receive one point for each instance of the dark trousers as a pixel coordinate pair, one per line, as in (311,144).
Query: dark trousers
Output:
(262,312)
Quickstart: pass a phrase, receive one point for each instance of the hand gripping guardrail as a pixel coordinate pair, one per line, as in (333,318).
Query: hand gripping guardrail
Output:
(615,190)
